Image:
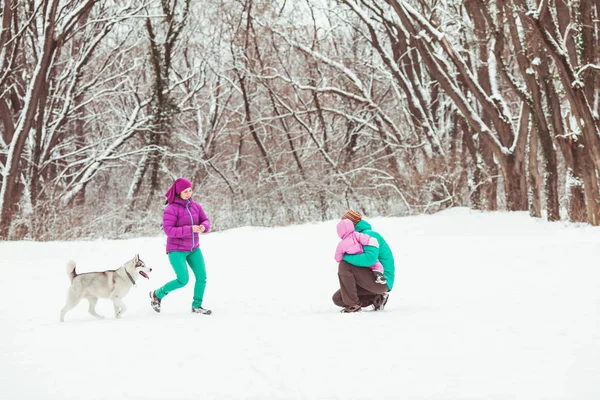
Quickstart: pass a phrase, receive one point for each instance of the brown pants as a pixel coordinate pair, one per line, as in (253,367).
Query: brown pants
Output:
(357,286)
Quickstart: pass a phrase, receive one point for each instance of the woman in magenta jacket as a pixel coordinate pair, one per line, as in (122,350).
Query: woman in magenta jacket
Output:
(183,221)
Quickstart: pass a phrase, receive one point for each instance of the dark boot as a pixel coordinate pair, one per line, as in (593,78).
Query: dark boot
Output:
(380,301)
(351,309)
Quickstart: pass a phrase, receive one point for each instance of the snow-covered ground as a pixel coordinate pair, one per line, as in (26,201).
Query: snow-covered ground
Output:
(486,306)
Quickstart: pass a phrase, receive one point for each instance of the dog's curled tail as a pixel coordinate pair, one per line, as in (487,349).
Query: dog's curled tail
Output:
(71,270)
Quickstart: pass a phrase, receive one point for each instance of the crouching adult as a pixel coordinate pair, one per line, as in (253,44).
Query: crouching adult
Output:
(358,286)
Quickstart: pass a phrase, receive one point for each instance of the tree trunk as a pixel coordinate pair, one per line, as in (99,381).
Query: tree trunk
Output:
(10,193)
(535,179)
(515,183)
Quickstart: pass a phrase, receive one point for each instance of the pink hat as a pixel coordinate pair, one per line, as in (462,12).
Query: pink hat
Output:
(176,188)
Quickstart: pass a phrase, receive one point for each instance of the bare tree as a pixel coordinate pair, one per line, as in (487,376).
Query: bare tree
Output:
(292,111)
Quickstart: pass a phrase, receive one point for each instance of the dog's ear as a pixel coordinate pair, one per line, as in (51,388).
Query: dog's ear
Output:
(136,258)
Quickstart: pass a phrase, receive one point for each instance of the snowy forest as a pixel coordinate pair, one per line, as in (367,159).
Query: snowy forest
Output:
(282,112)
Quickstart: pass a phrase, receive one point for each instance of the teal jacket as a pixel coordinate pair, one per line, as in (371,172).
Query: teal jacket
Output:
(372,254)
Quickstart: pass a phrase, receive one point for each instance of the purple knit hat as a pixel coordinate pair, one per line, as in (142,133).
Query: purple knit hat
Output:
(177,187)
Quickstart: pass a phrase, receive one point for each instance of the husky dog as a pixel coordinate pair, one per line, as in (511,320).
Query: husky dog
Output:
(113,285)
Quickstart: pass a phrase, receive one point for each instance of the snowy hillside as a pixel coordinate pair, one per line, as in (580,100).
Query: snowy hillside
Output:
(485,306)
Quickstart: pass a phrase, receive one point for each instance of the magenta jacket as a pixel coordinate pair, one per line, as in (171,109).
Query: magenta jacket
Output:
(178,219)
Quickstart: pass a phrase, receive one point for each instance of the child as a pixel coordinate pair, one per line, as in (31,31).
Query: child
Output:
(353,242)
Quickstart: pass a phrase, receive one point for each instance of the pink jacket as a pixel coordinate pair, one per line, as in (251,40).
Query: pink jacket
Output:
(353,242)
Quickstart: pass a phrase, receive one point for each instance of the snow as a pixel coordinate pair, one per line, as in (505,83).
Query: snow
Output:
(485,306)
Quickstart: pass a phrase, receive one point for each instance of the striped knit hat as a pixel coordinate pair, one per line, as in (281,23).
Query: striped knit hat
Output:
(353,216)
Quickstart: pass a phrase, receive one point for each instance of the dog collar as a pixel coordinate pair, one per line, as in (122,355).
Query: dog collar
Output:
(130,278)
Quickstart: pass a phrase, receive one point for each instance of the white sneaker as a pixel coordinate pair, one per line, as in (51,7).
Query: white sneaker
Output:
(200,310)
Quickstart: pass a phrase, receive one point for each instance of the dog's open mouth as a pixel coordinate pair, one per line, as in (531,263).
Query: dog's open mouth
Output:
(145,275)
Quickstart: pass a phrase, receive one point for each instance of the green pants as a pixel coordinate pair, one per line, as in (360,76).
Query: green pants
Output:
(178,262)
